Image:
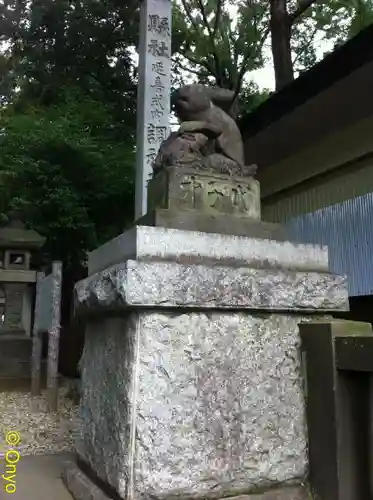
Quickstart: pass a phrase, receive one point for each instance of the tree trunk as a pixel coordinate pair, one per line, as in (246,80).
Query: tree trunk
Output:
(281,33)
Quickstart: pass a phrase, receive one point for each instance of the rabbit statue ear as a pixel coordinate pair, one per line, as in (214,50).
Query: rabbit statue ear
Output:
(223,98)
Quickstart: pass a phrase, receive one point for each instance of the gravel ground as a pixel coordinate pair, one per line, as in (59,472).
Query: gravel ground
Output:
(40,432)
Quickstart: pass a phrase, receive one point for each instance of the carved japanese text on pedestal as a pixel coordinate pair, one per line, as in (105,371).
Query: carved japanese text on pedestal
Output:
(153,91)
(181,189)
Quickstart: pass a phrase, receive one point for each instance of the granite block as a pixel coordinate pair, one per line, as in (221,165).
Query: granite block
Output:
(157,243)
(110,346)
(193,404)
(166,284)
(83,487)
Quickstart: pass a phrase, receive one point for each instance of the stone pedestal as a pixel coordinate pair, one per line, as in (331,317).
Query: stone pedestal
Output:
(180,198)
(176,188)
(191,374)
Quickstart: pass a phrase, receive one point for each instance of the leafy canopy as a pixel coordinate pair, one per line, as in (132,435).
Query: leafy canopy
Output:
(222,42)
(68,119)
(67,167)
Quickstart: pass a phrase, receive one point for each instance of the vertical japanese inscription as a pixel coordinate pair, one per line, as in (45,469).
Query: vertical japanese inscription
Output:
(160,25)
(159,47)
(154,90)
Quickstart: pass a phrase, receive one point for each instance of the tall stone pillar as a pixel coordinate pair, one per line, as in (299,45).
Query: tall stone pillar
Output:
(191,374)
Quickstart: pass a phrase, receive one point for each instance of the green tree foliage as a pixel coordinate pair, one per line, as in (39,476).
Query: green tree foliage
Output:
(321,24)
(67,152)
(222,41)
(67,126)
(81,41)
(67,167)
(214,45)
(53,42)
(250,98)
(340,20)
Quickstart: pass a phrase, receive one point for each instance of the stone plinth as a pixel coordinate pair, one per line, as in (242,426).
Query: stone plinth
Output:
(160,244)
(181,198)
(192,220)
(191,372)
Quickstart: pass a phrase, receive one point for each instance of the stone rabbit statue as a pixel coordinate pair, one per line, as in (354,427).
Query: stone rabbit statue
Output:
(200,108)
(208,137)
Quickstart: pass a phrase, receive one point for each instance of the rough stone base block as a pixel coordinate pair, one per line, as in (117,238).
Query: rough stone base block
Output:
(287,493)
(160,244)
(82,487)
(194,405)
(192,383)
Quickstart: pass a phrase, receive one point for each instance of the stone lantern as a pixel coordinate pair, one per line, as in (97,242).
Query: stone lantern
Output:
(17,288)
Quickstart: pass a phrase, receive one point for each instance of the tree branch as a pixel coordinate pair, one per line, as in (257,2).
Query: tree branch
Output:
(219,7)
(212,39)
(189,16)
(242,71)
(232,42)
(198,31)
(198,62)
(303,5)
(205,20)
(189,70)
(244,61)
(229,40)
(311,39)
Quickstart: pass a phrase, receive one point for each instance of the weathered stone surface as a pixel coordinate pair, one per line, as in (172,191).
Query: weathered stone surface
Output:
(158,243)
(79,485)
(82,487)
(185,189)
(15,235)
(202,108)
(153,91)
(193,404)
(197,150)
(166,284)
(191,220)
(110,346)
(15,293)
(289,493)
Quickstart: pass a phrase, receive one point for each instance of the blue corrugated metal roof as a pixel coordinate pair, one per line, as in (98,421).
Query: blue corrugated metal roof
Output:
(347,230)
